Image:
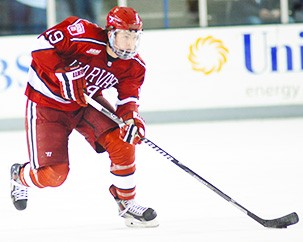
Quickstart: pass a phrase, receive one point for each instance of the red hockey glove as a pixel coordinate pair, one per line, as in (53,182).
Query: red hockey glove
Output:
(134,130)
(72,83)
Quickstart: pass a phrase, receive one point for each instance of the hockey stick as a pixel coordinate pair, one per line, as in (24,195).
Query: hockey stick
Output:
(281,222)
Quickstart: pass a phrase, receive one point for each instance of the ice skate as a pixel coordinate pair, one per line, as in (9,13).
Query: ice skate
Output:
(135,215)
(18,190)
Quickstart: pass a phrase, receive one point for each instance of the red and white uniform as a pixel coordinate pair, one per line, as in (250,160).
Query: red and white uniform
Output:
(50,118)
(79,40)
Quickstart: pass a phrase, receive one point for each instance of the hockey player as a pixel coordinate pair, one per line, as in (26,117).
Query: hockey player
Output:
(73,58)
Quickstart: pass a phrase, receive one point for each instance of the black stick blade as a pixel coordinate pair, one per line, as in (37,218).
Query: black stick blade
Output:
(282,222)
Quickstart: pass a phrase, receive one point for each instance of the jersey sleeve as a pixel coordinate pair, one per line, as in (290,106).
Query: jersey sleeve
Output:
(56,45)
(129,91)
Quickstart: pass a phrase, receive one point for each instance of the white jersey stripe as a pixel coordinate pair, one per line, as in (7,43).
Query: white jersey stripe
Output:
(139,61)
(127,100)
(31,134)
(88,40)
(36,83)
(42,44)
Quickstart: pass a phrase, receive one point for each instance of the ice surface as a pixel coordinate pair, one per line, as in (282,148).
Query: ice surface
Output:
(259,163)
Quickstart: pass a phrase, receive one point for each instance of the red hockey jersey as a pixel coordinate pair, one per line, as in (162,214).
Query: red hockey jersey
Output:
(78,40)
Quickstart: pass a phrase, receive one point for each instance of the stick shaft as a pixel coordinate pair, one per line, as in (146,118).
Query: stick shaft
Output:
(274,223)
(103,110)
(155,147)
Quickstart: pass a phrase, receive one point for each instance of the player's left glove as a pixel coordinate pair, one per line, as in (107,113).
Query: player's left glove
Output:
(72,83)
(134,130)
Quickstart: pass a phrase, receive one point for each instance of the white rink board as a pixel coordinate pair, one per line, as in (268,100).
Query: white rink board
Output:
(250,77)
(252,66)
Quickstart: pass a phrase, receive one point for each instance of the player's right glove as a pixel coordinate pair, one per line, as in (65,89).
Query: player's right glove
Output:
(72,83)
(134,130)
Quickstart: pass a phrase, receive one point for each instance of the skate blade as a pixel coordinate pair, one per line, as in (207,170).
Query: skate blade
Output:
(134,223)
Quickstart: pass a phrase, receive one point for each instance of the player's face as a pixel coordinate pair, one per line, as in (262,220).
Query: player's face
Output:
(124,43)
(127,40)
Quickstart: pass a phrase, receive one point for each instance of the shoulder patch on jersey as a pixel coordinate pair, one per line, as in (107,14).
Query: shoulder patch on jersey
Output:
(76,28)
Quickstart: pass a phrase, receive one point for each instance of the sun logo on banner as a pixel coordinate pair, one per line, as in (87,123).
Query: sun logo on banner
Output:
(207,55)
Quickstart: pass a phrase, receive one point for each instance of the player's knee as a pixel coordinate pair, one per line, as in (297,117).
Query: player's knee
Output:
(50,176)
(120,152)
